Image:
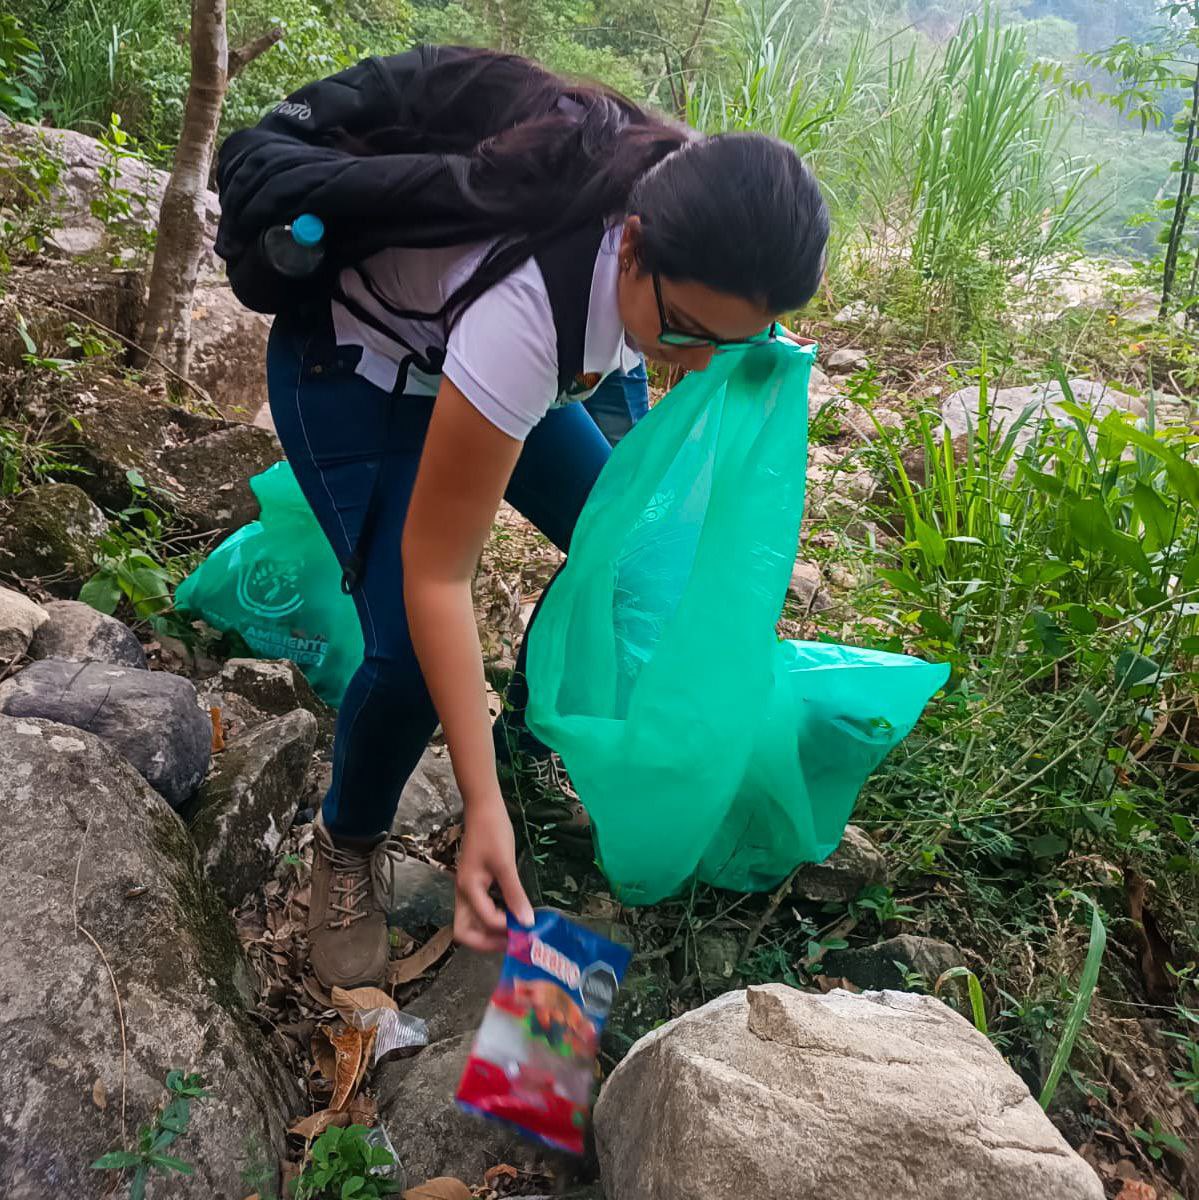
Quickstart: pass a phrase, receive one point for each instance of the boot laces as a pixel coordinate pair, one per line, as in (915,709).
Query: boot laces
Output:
(551,774)
(357,874)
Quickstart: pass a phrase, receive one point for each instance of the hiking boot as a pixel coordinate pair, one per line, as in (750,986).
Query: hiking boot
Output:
(554,804)
(348,940)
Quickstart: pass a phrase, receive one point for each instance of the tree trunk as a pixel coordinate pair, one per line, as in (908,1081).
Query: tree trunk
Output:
(1186,187)
(166,335)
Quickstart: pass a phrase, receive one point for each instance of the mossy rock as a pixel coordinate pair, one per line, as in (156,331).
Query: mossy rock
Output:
(50,535)
(196,467)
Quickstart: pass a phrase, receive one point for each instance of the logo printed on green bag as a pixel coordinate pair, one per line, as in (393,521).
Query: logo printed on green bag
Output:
(269,589)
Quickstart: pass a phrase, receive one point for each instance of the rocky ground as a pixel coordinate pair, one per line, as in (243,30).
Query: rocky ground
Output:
(159,795)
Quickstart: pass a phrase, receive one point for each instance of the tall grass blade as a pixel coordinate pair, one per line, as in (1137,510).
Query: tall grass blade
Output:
(1082,1000)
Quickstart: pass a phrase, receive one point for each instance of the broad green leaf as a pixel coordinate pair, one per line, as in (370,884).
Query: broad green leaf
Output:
(135,479)
(1156,515)
(352,1187)
(1183,475)
(1048,845)
(1182,827)
(1190,572)
(172,1164)
(116,1160)
(1082,619)
(931,543)
(102,593)
(1133,669)
(902,581)
(1090,523)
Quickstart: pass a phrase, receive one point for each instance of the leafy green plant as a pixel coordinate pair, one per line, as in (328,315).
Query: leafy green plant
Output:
(153,1140)
(130,565)
(21,70)
(880,902)
(343,1165)
(1159,1141)
(25,460)
(28,177)
(123,210)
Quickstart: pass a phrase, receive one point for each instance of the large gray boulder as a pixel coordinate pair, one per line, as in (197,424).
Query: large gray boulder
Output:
(416,1107)
(430,799)
(249,800)
(91,852)
(20,619)
(960,410)
(76,632)
(149,717)
(775,1092)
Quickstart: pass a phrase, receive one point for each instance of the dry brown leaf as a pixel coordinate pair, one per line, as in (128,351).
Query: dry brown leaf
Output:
(347,1046)
(99,1094)
(323,1054)
(415,965)
(368,1049)
(315,1125)
(363,1111)
(501,1171)
(442,1188)
(826,983)
(1134,1189)
(1155,949)
(363,999)
(218,732)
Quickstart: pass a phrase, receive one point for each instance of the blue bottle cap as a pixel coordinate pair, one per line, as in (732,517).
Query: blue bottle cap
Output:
(307,230)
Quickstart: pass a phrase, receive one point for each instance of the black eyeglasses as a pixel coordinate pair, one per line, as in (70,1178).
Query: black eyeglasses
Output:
(669,336)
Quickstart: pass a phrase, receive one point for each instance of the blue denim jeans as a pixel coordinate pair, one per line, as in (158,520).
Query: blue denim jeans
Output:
(619,403)
(345,438)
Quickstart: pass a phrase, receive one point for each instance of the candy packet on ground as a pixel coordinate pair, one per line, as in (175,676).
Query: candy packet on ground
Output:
(533,1061)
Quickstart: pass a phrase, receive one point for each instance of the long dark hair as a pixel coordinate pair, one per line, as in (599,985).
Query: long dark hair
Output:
(548,156)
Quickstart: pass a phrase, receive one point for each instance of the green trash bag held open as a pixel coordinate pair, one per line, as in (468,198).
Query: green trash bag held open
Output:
(701,746)
(277,583)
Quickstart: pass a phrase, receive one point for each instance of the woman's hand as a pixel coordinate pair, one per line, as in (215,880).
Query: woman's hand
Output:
(488,856)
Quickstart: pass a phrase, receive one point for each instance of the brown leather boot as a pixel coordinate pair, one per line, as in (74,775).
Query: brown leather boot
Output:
(348,942)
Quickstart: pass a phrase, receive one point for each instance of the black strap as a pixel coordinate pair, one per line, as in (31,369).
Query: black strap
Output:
(567,266)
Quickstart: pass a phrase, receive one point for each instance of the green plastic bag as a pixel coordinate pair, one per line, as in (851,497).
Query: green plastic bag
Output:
(277,582)
(700,745)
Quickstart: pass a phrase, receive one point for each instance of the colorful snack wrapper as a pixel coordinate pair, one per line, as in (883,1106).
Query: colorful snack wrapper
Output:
(533,1061)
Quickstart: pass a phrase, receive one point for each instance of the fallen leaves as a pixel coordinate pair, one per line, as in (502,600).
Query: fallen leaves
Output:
(218,732)
(405,970)
(1133,1189)
(363,999)
(442,1188)
(99,1094)
(351,1048)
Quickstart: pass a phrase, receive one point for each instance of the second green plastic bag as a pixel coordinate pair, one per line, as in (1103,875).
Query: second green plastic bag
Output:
(277,582)
(700,745)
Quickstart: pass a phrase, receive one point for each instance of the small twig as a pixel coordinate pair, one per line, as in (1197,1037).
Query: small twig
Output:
(776,901)
(111,978)
(241,58)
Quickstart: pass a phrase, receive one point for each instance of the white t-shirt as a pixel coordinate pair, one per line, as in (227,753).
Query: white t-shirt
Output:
(502,354)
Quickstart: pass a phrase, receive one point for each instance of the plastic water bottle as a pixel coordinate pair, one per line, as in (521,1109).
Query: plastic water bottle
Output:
(295,250)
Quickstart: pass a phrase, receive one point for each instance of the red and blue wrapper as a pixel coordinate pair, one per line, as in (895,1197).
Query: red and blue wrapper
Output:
(532,1064)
